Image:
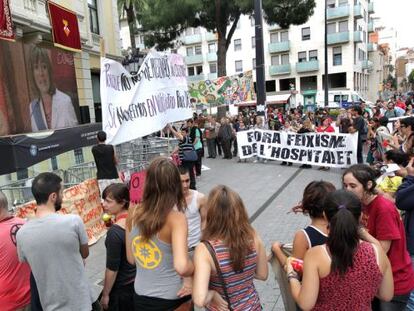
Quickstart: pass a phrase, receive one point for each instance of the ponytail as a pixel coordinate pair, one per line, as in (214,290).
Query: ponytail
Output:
(342,209)
(342,240)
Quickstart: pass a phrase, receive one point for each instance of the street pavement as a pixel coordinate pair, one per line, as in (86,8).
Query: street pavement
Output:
(268,190)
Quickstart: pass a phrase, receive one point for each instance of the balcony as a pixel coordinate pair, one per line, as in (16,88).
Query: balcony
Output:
(367,64)
(338,37)
(274,27)
(279,70)
(372,47)
(358,36)
(194,59)
(192,39)
(371,8)
(358,11)
(212,76)
(370,27)
(196,78)
(312,65)
(279,47)
(211,36)
(32,14)
(212,57)
(339,12)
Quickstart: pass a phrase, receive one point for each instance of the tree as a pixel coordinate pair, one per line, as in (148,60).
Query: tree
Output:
(411,79)
(166,20)
(132,9)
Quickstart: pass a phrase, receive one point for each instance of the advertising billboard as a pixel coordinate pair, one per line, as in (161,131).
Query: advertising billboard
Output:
(38,88)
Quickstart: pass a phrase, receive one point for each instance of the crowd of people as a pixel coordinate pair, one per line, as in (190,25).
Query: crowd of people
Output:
(178,248)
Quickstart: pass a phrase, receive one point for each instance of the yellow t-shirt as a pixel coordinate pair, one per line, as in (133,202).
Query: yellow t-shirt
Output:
(390,183)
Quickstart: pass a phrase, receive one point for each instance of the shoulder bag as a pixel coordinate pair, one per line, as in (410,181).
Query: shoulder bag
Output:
(189,155)
(219,274)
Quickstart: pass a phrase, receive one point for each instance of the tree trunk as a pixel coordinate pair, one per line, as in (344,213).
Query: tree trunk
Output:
(221,56)
(131,25)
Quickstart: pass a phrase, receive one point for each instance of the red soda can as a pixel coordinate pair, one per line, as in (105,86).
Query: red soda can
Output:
(297,265)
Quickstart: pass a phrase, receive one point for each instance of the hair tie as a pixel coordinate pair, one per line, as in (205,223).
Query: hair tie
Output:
(341,206)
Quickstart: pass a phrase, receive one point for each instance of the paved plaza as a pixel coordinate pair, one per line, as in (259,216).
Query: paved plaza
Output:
(268,190)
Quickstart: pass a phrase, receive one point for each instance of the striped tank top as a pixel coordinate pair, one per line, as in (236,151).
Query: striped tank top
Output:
(242,293)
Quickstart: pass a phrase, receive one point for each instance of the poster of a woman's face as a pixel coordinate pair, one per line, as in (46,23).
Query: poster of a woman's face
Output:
(41,87)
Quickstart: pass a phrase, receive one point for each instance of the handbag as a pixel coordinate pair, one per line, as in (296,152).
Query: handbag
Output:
(190,155)
(219,274)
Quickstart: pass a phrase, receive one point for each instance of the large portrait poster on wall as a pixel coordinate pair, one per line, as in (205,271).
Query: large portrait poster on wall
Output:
(37,88)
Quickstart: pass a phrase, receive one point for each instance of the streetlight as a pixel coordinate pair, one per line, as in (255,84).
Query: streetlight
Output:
(260,72)
(325,82)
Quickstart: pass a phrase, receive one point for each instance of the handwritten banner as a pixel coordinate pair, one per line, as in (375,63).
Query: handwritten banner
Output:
(137,105)
(83,200)
(224,90)
(136,188)
(323,149)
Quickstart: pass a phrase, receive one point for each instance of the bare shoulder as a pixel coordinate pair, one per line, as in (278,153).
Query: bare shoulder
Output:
(176,217)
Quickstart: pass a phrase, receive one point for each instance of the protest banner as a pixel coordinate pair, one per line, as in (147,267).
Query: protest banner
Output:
(323,149)
(137,105)
(83,200)
(224,90)
(136,188)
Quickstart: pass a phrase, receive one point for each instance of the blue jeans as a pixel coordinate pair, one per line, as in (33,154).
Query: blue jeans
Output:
(410,303)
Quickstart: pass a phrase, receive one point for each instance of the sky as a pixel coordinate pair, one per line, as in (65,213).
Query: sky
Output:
(398,14)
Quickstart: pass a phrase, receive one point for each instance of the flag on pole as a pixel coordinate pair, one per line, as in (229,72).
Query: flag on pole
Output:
(65,28)
(6,23)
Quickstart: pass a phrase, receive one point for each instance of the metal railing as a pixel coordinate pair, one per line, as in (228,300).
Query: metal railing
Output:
(132,156)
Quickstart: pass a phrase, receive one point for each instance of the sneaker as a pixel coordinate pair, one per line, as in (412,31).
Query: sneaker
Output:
(290,164)
(255,161)
(265,161)
(283,163)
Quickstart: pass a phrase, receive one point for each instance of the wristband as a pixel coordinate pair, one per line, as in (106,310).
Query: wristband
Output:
(292,275)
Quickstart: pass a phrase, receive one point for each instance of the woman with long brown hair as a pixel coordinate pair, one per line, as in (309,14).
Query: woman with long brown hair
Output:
(231,244)
(156,240)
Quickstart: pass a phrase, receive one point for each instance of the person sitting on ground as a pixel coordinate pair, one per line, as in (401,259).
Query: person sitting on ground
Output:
(118,290)
(317,232)
(156,240)
(346,273)
(230,243)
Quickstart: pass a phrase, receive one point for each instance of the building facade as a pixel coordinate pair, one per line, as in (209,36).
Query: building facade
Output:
(97,20)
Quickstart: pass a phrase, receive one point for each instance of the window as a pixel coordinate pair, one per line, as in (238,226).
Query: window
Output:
(190,51)
(93,16)
(54,162)
(343,26)
(284,36)
(237,45)
(274,37)
(252,21)
(285,59)
(212,48)
(313,55)
(78,155)
(360,54)
(253,42)
(275,60)
(364,33)
(254,63)
(305,33)
(239,65)
(337,56)
(197,50)
(213,67)
(191,71)
(331,27)
(302,57)
(331,3)
(199,69)
(22,173)
(343,2)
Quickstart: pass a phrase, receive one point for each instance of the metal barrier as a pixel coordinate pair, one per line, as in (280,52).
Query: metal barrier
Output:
(132,156)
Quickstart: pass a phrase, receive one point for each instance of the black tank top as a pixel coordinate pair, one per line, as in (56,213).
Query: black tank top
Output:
(314,236)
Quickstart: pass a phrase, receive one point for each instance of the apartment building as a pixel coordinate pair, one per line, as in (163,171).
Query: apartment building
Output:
(96,20)
(294,57)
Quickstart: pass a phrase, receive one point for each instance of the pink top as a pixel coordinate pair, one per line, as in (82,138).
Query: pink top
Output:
(356,288)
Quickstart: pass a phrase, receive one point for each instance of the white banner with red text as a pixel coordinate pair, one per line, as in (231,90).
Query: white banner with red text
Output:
(320,149)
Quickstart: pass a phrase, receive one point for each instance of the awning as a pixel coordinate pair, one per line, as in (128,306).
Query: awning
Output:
(270,100)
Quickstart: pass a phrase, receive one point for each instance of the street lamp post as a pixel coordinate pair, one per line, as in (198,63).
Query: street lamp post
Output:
(325,82)
(260,70)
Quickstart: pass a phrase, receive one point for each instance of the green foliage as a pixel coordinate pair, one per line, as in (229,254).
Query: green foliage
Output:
(411,77)
(288,12)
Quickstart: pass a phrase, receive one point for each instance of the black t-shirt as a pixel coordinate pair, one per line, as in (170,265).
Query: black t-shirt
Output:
(116,256)
(359,125)
(105,163)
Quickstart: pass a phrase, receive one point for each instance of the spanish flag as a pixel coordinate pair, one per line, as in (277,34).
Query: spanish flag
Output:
(65,29)
(6,23)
